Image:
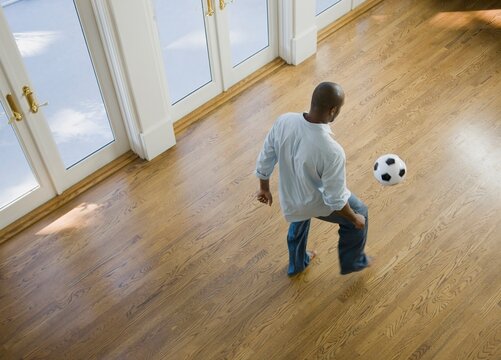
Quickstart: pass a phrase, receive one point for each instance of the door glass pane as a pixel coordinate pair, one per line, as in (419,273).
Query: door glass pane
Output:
(181,28)
(16,177)
(249,30)
(323,5)
(53,47)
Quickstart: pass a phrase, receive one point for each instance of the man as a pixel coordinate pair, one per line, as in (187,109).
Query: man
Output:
(312,181)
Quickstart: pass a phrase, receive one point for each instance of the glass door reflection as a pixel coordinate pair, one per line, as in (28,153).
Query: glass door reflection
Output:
(184,43)
(249,29)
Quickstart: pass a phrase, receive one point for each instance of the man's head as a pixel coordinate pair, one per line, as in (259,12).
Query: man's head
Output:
(326,102)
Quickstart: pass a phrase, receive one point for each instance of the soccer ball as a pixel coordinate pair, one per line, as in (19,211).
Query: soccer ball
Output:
(389,169)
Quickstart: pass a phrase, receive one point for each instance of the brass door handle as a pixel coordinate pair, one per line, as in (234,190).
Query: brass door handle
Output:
(34,106)
(222,4)
(210,8)
(16,113)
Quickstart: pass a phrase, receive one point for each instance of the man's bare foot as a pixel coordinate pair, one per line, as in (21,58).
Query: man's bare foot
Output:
(312,254)
(370,261)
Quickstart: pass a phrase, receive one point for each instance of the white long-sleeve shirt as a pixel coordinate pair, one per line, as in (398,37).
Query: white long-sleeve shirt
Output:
(312,179)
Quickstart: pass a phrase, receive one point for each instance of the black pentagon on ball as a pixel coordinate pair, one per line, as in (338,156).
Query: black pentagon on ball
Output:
(376,165)
(386,177)
(390,161)
(402,172)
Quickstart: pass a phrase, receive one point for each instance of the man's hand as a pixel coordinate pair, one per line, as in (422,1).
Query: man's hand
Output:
(264,193)
(265,196)
(359,221)
(348,213)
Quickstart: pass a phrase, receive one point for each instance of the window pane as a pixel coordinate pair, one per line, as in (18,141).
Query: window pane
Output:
(249,31)
(323,5)
(181,28)
(16,178)
(54,51)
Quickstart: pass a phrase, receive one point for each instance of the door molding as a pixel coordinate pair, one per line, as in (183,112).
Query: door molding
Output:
(141,75)
(106,25)
(297,30)
(285,20)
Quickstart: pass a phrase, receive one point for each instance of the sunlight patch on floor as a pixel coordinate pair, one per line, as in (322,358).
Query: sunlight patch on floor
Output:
(79,217)
(467,19)
(478,152)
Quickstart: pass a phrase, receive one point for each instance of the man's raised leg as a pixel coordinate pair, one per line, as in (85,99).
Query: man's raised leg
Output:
(352,241)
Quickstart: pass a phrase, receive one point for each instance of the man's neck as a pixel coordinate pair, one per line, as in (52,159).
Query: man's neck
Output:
(312,118)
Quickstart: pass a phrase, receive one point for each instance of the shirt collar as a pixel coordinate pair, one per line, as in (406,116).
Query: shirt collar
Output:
(320,127)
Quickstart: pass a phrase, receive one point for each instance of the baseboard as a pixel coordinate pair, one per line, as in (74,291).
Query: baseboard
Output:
(158,139)
(304,45)
(32,217)
(183,123)
(342,21)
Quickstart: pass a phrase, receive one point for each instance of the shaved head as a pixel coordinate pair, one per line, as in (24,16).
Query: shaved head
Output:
(326,96)
(326,102)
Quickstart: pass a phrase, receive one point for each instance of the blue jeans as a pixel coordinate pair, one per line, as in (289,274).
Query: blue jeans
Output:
(351,241)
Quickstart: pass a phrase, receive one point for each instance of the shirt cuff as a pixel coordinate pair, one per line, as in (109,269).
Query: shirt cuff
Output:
(262,176)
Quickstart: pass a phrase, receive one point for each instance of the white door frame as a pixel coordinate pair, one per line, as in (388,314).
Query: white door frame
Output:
(333,13)
(45,191)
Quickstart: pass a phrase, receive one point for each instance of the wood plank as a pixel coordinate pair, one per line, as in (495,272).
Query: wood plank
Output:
(204,110)
(175,259)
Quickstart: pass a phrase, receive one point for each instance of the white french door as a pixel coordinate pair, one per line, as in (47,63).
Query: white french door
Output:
(210,45)
(328,11)
(53,66)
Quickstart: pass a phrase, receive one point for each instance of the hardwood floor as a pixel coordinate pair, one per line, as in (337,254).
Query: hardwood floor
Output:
(175,258)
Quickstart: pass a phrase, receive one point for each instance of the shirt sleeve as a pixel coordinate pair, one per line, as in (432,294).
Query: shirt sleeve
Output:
(267,157)
(335,193)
